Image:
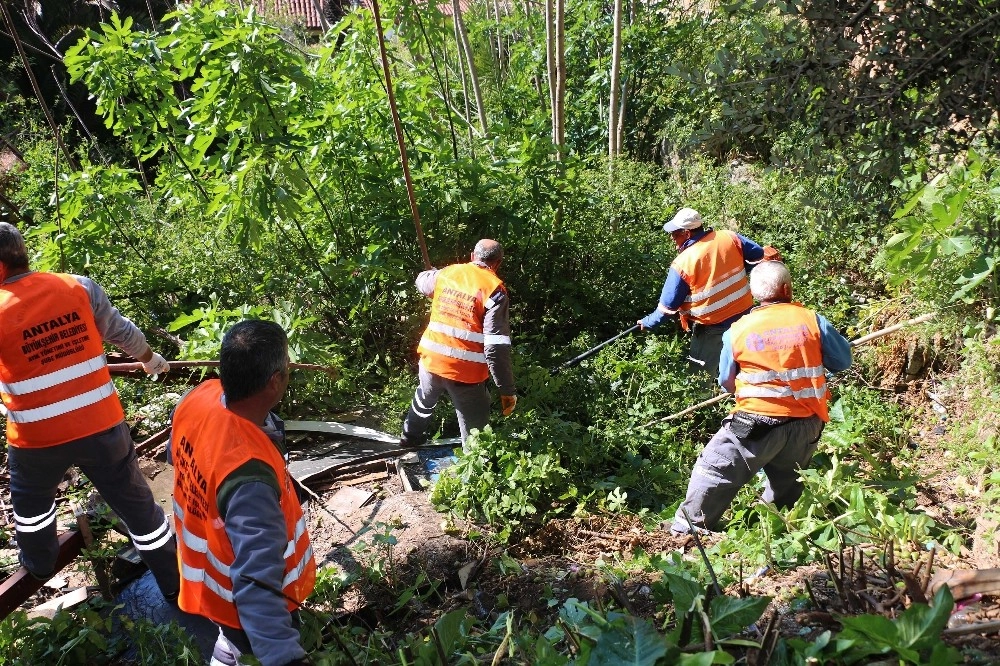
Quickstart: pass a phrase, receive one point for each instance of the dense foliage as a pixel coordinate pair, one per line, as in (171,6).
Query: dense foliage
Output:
(239,170)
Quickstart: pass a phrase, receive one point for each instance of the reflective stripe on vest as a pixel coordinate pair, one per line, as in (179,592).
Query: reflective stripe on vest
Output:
(452,352)
(459,333)
(780,392)
(713,305)
(780,355)
(453,344)
(714,271)
(208,444)
(62,407)
(784,375)
(54,379)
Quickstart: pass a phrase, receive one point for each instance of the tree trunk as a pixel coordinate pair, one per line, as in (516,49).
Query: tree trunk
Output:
(616,51)
(550,63)
(499,39)
(473,76)
(622,107)
(560,30)
(465,90)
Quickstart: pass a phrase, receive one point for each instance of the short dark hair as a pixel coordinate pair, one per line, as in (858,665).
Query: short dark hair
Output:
(13,253)
(252,351)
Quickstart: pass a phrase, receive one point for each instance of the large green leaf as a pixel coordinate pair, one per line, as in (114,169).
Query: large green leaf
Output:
(706,658)
(731,615)
(631,641)
(685,591)
(919,626)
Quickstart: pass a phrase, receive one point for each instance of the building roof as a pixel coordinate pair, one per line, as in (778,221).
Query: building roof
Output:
(306,12)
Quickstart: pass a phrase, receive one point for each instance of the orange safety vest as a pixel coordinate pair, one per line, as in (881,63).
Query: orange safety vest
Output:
(209,442)
(453,344)
(780,354)
(54,377)
(713,269)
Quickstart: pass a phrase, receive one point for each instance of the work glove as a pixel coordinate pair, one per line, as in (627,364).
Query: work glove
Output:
(772,254)
(157,365)
(508,402)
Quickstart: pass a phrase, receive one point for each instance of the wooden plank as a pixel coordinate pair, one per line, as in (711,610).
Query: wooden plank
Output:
(155,440)
(67,601)
(20,585)
(347,499)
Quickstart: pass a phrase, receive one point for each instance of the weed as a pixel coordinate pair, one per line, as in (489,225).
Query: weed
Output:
(92,635)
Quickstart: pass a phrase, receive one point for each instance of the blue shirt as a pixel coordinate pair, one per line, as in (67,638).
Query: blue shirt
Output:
(836,354)
(676,290)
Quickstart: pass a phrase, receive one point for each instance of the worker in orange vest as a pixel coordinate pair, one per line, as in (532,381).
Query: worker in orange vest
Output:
(466,341)
(62,409)
(775,360)
(706,286)
(246,560)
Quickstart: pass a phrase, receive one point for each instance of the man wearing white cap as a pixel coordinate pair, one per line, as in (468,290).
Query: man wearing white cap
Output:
(706,286)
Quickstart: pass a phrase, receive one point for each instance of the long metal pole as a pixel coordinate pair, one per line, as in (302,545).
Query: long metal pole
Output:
(399,136)
(854,343)
(593,350)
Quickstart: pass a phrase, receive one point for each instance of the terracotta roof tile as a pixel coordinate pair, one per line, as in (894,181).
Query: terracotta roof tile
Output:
(304,11)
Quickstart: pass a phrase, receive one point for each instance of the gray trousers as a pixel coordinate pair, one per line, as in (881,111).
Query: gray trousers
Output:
(110,462)
(706,348)
(232,644)
(472,404)
(229,647)
(727,464)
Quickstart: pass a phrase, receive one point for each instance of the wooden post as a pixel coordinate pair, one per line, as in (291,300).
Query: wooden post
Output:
(99,563)
(399,136)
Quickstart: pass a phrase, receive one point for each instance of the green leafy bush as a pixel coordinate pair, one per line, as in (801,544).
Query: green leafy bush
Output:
(509,478)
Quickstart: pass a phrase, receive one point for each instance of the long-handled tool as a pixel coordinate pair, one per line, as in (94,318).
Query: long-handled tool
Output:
(593,350)
(854,343)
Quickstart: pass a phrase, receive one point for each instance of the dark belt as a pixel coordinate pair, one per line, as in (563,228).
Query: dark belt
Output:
(747,426)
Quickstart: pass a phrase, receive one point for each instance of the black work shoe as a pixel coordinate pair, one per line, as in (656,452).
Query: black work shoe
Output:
(408,443)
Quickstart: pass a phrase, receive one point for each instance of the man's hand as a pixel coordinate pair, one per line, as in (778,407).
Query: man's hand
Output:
(156,365)
(641,327)
(508,402)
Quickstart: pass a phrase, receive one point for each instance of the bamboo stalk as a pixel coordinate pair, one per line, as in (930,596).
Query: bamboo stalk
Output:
(399,136)
(122,368)
(616,48)
(892,329)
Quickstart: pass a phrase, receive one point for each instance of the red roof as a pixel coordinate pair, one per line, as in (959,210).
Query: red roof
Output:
(304,11)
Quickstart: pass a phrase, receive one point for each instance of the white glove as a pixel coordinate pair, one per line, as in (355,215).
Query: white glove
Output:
(156,365)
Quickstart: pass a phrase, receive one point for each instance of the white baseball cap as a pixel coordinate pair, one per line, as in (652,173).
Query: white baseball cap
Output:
(686,218)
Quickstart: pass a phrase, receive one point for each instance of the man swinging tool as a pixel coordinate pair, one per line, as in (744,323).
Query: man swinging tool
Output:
(773,359)
(466,341)
(706,285)
(63,410)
